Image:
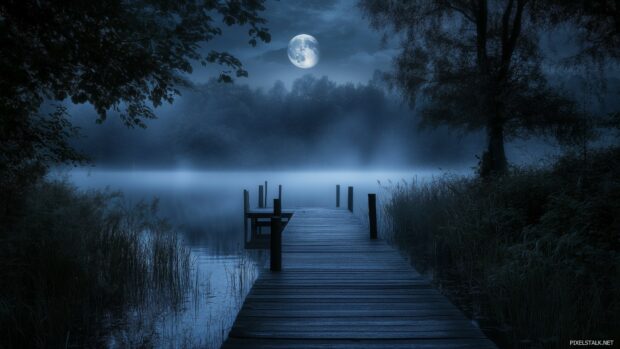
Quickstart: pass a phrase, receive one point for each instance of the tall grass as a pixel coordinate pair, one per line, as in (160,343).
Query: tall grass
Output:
(534,256)
(72,259)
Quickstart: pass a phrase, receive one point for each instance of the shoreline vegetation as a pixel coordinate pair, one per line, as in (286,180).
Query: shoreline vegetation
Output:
(72,261)
(533,256)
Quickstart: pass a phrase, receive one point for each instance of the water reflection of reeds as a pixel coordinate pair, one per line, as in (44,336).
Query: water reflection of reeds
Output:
(218,285)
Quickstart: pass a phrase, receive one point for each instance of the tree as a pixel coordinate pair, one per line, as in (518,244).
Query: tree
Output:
(597,24)
(127,56)
(476,64)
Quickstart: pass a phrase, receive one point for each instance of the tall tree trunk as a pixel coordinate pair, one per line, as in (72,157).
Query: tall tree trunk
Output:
(493,160)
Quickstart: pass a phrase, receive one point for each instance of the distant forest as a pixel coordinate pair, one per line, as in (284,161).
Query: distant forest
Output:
(314,123)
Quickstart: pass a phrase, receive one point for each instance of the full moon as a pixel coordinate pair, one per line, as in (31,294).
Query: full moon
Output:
(303,51)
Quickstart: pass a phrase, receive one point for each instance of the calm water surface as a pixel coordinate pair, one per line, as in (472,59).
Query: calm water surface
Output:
(207,208)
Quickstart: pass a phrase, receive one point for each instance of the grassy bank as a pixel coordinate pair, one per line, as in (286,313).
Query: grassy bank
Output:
(533,256)
(70,259)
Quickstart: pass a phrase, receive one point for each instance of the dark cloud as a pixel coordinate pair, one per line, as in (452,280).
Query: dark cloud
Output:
(316,5)
(277,56)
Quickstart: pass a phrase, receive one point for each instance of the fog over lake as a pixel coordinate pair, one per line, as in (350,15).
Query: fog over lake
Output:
(201,203)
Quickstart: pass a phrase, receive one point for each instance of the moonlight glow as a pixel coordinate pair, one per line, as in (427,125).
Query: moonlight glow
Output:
(303,51)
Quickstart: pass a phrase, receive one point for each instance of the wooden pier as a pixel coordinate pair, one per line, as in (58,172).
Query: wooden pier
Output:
(340,289)
(259,218)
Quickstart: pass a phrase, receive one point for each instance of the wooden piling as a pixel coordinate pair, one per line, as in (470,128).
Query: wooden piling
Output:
(261,200)
(372,215)
(337,195)
(277,208)
(246,209)
(266,194)
(280,192)
(350,199)
(275,261)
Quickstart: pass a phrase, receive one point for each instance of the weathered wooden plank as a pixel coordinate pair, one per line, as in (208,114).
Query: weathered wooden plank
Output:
(339,289)
(267,212)
(346,298)
(359,306)
(463,343)
(377,312)
(355,332)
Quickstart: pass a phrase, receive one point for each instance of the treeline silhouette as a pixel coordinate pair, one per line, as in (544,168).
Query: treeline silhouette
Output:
(315,122)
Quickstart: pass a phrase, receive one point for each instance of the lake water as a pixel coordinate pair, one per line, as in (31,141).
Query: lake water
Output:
(207,208)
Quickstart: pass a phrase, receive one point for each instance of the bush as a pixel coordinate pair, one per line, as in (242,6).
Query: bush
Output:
(533,256)
(71,259)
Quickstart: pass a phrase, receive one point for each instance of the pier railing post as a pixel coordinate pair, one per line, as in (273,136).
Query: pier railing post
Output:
(277,207)
(372,215)
(337,195)
(275,262)
(350,199)
(246,209)
(280,192)
(261,200)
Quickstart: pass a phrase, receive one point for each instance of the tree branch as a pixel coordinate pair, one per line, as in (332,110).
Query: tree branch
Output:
(509,41)
(462,11)
(481,35)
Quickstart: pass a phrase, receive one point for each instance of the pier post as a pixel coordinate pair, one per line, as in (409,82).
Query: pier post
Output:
(372,215)
(337,195)
(261,200)
(266,191)
(277,207)
(350,199)
(280,192)
(246,209)
(275,262)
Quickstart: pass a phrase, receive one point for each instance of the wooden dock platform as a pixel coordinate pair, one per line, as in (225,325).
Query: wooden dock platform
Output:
(339,289)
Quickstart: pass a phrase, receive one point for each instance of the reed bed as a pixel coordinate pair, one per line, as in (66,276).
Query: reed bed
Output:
(72,262)
(533,257)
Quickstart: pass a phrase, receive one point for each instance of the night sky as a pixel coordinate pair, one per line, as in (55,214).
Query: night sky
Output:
(350,50)
(336,114)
